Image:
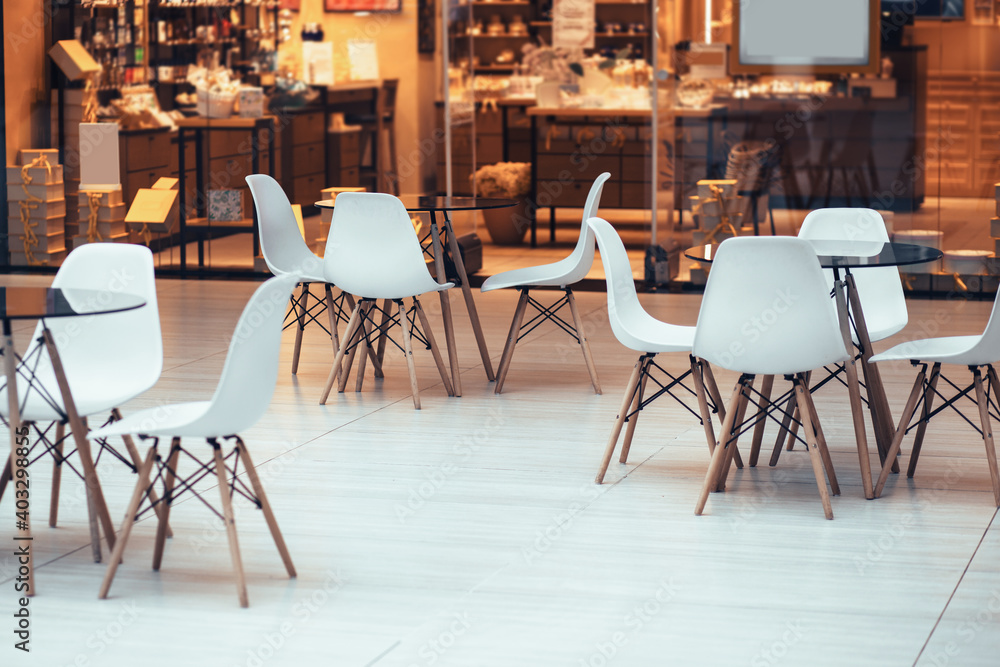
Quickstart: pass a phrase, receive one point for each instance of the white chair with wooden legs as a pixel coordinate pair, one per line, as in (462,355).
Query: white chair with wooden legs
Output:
(767,311)
(286,253)
(878,289)
(373,253)
(108,360)
(639,331)
(978,354)
(562,275)
(240,400)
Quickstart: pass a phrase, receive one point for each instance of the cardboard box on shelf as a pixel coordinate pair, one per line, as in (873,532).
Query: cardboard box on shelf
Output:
(20,192)
(38,175)
(47,244)
(39,210)
(28,155)
(225,205)
(42,259)
(41,225)
(108,197)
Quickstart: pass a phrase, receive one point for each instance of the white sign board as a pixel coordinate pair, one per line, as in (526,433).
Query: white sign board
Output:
(363,56)
(317,63)
(99,164)
(573,24)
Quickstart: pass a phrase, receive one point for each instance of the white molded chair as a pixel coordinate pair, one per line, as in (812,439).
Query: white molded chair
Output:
(767,311)
(286,252)
(561,274)
(107,359)
(974,352)
(240,400)
(639,331)
(880,288)
(373,252)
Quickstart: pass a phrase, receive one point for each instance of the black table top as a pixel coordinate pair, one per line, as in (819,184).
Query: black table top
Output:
(847,254)
(30,303)
(435,203)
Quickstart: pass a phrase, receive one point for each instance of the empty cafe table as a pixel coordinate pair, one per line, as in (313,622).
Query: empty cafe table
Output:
(432,241)
(23,384)
(843,257)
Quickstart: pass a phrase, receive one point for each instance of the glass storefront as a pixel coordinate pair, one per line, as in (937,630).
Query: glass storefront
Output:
(760,116)
(713,118)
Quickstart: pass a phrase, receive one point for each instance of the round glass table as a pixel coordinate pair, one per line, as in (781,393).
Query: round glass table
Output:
(843,256)
(45,303)
(432,244)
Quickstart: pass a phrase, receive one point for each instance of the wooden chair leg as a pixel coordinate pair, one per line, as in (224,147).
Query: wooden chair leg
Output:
(56,475)
(5,476)
(791,412)
(634,411)
(758,430)
(512,336)
(719,455)
(133,453)
(733,452)
(168,498)
(302,309)
(383,333)
(133,507)
(336,370)
(408,351)
(815,457)
(918,441)
(585,346)
(984,418)
(630,388)
(332,318)
(227,513)
(358,342)
(713,391)
(435,350)
(363,343)
(831,474)
(904,422)
(698,378)
(265,506)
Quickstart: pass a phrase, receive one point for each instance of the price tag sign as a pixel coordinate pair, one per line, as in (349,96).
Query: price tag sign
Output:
(573,24)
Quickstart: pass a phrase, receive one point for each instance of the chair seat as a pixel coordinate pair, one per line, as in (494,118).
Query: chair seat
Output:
(392,291)
(960,350)
(182,420)
(91,396)
(645,333)
(546,275)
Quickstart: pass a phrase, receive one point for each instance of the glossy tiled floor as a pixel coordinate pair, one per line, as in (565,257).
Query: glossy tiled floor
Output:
(471,532)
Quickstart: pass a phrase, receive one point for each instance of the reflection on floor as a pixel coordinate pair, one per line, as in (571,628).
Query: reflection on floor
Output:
(965,222)
(471,533)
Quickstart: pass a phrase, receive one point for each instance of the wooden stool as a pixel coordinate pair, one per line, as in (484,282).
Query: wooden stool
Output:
(383,176)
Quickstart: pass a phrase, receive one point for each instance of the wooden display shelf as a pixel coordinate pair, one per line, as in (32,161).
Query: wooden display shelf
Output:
(245,223)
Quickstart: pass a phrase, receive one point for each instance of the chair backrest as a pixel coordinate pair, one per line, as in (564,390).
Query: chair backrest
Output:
(580,260)
(386,105)
(623,302)
(372,250)
(127,347)
(987,349)
(767,310)
(251,369)
(879,288)
(285,251)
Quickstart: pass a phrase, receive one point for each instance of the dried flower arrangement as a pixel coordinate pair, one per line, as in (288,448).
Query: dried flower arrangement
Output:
(503,179)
